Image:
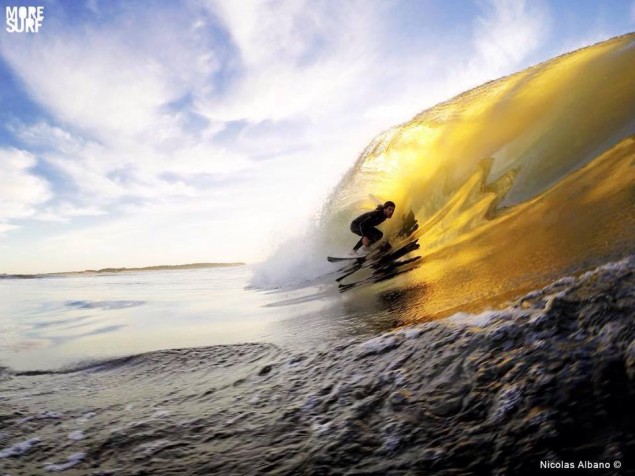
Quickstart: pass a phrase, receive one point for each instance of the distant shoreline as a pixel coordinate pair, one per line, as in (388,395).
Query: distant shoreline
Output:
(123,270)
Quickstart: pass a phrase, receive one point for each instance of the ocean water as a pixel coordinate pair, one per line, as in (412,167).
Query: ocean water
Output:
(55,322)
(546,379)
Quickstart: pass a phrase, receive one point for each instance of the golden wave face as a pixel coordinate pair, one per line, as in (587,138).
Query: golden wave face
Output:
(507,186)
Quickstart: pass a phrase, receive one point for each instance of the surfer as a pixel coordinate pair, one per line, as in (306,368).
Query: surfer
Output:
(364,226)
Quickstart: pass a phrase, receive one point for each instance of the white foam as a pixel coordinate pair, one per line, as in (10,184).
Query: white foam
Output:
(233,421)
(86,416)
(70,462)
(381,343)
(479,320)
(615,266)
(566,281)
(508,400)
(42,416)
(311,403)
(298,260)
(549,300)
(76,435)
(151,447)
(412,332)
(321,428)
(19,448)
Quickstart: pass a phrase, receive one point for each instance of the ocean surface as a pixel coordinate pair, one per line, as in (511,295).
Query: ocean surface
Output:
(549,378)
(55,322)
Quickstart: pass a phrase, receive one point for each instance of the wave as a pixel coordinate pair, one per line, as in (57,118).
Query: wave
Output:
(503,187)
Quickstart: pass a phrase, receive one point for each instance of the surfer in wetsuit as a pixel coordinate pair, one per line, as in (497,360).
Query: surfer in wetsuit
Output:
(364,226)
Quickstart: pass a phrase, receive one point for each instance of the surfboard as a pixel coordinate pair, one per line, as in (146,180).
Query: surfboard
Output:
(335,259)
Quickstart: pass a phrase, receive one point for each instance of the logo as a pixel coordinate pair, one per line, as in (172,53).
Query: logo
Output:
(24,19)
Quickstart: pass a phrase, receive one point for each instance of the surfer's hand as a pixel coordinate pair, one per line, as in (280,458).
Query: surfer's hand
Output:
(365,241)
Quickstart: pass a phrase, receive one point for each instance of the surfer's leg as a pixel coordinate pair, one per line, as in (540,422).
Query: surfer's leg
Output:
(374,235)
(355,229)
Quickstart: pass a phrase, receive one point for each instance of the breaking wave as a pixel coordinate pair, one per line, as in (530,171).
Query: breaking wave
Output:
(501,188)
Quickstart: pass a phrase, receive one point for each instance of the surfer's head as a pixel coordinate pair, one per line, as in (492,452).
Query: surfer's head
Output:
(389,208)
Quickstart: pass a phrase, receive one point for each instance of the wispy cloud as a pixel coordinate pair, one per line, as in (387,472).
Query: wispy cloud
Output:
(509,31)
(22,191)
(293,58)
(212,114)
(501,38)
(125,137)
(506,35)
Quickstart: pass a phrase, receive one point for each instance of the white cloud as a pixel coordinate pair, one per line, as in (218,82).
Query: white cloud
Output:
(154,235)
(114,86)
(508,32)
(103,172)
(5,227)
(20,191)
(507,36)
(114,79)
(43,134)
(160,125)
(66,211)
(297,60)
(294,58)
(91,90)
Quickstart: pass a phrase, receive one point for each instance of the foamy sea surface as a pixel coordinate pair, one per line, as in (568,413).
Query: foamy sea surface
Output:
(549,378)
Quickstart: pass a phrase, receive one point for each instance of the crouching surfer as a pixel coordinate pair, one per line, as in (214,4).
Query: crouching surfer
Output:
(364,226)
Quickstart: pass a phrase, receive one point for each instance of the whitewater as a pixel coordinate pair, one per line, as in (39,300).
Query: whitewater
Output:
(496,334)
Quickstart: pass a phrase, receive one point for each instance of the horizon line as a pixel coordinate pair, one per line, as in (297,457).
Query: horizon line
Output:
(164,267)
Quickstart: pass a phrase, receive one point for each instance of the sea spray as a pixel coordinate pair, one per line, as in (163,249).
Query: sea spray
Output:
(297,262)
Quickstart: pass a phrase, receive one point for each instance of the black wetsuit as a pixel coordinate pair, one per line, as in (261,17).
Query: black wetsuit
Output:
(364,225)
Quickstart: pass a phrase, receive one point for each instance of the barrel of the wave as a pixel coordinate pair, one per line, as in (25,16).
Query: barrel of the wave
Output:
(514,183)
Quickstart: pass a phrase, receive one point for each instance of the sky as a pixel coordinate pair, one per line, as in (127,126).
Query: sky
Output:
(139,133)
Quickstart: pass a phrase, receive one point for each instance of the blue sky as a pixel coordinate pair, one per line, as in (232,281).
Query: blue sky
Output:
(163,132)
